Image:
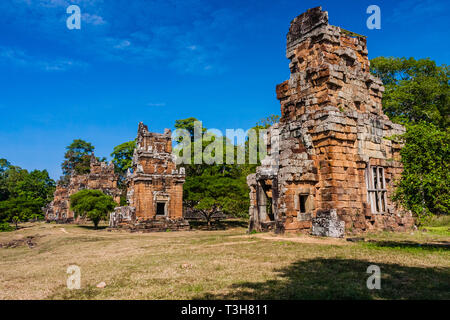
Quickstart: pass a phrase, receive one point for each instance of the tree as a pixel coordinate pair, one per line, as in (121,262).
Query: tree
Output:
(417,95)
(122,156)
(20,209)
(23,193)
(36,185)
(4,165)
(188,124)
(266,122)
(416,90)
(210,194)
(218,187)
(92,204)
(78,157)
(425,183)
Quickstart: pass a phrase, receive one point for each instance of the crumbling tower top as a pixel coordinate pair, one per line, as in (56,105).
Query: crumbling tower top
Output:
(314,24)
(329,69)
(304,24)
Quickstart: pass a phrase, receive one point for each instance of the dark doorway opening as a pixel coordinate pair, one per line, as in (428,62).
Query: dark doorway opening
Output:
(303,199)
(160,208)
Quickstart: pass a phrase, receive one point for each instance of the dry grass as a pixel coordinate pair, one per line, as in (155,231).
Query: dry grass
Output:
(220,264)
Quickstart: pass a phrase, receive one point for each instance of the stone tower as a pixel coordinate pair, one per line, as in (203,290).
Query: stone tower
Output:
(331,168)
(155,186)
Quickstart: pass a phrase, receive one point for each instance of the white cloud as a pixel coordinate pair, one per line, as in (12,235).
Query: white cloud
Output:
(92,19)
(20,58)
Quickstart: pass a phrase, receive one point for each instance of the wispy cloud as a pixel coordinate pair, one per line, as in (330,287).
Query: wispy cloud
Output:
(93,19)
(122,44)
(418,11)
(158,104)
(20,58)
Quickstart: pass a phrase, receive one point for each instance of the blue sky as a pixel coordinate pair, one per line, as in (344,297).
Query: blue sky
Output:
(158,61)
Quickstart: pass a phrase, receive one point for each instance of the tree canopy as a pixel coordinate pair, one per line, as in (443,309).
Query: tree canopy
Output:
(122,156)
(218,187)
(77,157)
(92,204)
(416,90)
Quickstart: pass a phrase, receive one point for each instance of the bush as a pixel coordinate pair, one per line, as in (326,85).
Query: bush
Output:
(4,226)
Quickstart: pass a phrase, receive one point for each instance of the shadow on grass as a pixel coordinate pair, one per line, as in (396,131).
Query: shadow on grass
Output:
(88,227)
(436,246)
(218,225)
(344,279)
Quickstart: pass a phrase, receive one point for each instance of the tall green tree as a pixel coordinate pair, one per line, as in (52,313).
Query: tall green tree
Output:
(92,204)
(417,95)
(122,156)
(216,187)
(77,157)
(4,193)
(416,90)
(210,194)
(425,184)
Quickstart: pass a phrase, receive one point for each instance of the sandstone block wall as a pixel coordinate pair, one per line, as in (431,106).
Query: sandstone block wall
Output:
(329,150)
(101,177)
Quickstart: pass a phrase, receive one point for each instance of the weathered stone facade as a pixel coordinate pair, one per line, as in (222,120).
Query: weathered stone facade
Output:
(101,177)
(155,187)
(329,156)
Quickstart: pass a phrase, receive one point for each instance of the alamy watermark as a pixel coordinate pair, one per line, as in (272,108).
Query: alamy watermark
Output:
(374,20)
(374,281)
(74,278)
(74,20)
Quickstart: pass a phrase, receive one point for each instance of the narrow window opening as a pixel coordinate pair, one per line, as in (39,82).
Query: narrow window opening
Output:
(303,199)
(377,189)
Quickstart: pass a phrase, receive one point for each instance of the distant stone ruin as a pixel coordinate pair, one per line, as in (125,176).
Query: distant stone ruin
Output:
(101,177)
(155,187)
(331,169)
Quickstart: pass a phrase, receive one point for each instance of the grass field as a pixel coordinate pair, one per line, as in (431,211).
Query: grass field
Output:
(220,264)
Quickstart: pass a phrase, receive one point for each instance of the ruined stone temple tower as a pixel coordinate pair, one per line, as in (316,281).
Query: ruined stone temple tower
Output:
(155,187)
(331,168)
(101,177)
